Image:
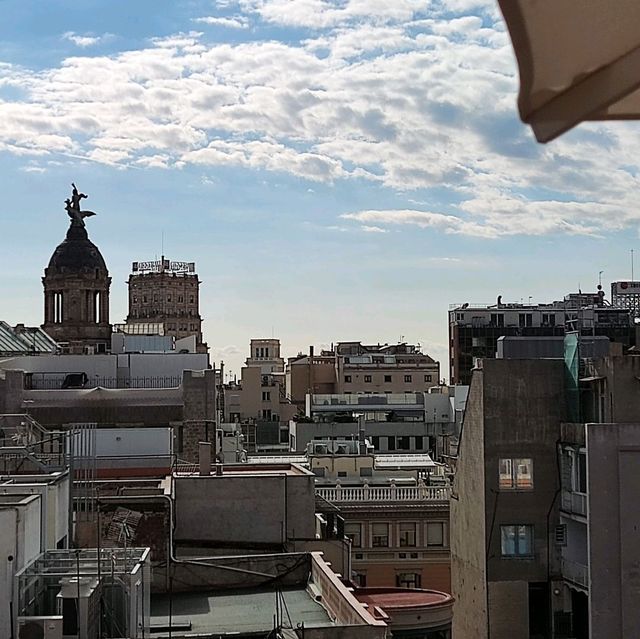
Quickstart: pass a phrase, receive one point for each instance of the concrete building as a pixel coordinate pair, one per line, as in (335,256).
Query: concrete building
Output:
(407,422)
(474,329)
(504,500)
(261,506)
(362,369)
(555,552)
(259,401)
(167,292)
(76,295)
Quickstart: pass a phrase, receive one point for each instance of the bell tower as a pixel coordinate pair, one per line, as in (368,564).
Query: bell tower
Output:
(76,289)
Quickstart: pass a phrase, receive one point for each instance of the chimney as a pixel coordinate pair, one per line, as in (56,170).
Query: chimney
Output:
(310,351)
(362,446)
(204,458)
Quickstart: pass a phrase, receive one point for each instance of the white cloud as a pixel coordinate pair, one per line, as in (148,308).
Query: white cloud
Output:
(410,95)
(84,41)
(236,22)
(373,229)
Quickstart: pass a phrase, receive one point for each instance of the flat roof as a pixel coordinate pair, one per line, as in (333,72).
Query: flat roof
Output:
(249,470)
(233,612)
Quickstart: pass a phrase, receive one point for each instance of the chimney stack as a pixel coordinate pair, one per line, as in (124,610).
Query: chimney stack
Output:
(204,458)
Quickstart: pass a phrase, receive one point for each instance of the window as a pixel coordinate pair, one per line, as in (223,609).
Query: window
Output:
(435,533)
(427,378)
(516,540)
(387,378)
(548,319)
(360,578)
(408,580)
(525,319)
(266,396)
(380,535)
(347,379)
(391,443)
(419,443)
(516,474)
(180,298)
(367,379)
(191,299)
(407,378)
(375,442)
(581,473)
(497,319)
(168,298)
(354,532)
(404,443)
(266,414)
(407,531)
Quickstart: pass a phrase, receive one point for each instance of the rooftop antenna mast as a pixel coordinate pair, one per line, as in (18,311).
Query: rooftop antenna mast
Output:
(632,265)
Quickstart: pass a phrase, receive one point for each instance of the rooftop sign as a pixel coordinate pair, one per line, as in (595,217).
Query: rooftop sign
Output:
(163,266)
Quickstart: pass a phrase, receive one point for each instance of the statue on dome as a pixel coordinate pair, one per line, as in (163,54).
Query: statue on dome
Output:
(72,206)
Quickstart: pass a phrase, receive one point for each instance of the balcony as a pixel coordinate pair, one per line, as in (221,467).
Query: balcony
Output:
(574,503)
(333,401)
(575,572)
(361,494)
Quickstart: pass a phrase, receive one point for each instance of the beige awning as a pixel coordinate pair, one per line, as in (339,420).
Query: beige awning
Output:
(578,60)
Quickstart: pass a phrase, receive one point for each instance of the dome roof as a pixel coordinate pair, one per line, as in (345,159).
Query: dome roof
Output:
(77,253)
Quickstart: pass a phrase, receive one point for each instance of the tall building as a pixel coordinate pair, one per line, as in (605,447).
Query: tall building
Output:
(626,294)
(546,478)
(167,292)
(76,289)
(474,330)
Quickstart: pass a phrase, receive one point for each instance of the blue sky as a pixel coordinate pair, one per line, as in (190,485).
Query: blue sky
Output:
(338,169)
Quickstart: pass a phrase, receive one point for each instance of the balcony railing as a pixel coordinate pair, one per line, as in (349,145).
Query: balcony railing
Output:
(575,572)
(60,381)
(362,399)
(385,493)
(575,503)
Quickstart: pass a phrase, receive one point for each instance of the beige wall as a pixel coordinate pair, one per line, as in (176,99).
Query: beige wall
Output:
(315,374)
(254,396)
(468,530)
(373,378)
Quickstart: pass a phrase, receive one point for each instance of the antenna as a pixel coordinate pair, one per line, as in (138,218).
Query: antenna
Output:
(632,265)
(600,277)
(162,243)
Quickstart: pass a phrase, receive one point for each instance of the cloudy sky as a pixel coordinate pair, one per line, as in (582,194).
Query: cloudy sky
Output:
(338,169)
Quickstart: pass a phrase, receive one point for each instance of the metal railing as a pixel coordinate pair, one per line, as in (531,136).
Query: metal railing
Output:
(60,381)
(573,502)
(384,493)
(576,572)
(364,400)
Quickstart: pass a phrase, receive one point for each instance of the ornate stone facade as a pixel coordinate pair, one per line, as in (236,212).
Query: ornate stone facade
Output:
(167,296)
(76,295)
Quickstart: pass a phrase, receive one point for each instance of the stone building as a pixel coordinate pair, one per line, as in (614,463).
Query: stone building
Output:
(356,368)
(167,292)
(76,292)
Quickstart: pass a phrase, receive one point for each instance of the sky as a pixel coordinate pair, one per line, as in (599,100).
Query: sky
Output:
(337,169)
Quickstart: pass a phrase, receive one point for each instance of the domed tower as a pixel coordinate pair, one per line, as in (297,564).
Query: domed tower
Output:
(76,289)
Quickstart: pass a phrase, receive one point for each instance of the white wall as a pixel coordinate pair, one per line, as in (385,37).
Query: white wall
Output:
(114,442)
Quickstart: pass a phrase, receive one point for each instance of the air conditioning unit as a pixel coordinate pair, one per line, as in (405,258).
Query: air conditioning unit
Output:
(320,449)
(342,449)
(40,627)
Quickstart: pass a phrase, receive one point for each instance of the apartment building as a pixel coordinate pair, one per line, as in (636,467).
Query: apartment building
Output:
(406,422)
(474,329)
(395,511)
(356,368)
(555,549)
(259,400)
